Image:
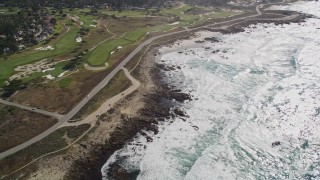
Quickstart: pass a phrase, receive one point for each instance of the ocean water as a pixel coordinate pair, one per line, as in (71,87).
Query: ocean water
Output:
(255,113)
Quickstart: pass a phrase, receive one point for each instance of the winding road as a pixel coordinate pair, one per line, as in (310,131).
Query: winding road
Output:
(105,81)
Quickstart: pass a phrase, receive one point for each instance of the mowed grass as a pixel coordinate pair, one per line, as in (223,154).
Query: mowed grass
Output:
(88,20)
(65,44)
(137,34)
(101,54)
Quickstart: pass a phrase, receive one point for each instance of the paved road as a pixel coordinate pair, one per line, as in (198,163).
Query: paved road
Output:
(106,80)
(58,116)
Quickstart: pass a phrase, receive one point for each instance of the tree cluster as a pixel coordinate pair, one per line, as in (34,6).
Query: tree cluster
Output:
(20,29)
(11,88)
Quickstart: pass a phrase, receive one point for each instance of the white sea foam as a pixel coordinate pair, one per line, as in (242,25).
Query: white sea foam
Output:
(261,87)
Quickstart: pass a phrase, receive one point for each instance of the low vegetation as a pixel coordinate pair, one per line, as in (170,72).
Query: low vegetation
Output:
(18,126)
(77,131)
(51,143)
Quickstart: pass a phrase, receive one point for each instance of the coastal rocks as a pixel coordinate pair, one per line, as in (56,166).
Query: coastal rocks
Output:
(195,128)
(212,39)
(199,41)
(118,172)
(179,96)
(276,143)
(166,68)
(215,51)
(179,112)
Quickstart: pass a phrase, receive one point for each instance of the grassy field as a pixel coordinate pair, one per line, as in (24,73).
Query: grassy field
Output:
(136,35)
(65,82)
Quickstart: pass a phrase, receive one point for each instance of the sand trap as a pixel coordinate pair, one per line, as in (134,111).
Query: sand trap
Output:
(175,23)
(49,76)
(50,69)
(62,74)
(79,39)
(44,48)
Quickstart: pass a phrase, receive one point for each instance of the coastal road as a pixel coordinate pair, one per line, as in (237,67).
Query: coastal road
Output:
(106,80)
(55,115)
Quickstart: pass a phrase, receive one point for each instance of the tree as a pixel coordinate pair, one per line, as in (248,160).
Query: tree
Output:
(53,21)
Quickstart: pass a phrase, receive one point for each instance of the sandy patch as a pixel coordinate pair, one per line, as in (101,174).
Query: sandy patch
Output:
(79,39)
(44,48)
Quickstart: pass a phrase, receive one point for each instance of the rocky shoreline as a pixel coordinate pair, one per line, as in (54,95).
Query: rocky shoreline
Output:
(160,104)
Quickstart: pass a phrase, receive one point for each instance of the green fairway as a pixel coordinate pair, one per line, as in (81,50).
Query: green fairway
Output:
(65,44)
(136,35)
(58,69)
(65,82)
(102,53)
(87,20)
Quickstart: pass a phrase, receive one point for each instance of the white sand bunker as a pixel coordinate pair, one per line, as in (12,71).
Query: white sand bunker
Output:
(44,48)
(79,39)
(49,76)
(175,23)
(40,66)
(62,74)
